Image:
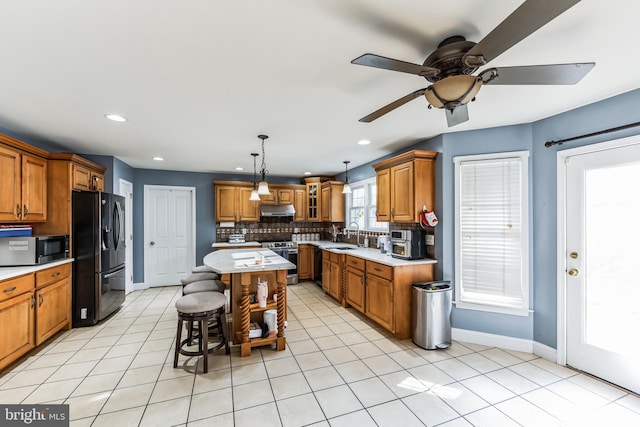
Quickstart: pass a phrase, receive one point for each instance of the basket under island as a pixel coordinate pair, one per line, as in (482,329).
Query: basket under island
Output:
(246,267)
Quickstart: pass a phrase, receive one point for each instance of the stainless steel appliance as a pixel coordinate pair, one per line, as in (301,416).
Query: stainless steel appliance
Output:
(287,250)
(408,244)
(98,246)
(32,250)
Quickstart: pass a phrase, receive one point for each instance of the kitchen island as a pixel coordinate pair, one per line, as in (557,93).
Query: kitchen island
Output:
(246,267)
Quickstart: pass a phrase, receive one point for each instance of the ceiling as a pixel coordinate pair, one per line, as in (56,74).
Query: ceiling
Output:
(199,80)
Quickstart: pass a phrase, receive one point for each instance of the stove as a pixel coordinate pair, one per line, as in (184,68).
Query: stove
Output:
(289,251)
(280,245)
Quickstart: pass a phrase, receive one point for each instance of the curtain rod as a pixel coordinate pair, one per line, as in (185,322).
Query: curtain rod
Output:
(587,135)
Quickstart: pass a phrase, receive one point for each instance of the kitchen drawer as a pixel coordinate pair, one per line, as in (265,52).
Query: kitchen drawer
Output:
(16,286)
(380,270)
(53,274)
(355,262)
(334,257)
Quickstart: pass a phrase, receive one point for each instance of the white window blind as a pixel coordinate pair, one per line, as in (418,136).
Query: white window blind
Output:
(492,231)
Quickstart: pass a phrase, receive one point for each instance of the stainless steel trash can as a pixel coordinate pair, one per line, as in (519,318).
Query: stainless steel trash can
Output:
(431,314)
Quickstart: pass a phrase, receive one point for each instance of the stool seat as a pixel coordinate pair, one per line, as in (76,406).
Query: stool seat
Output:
(204,286)
(196,277)
(202,269)
(200,308)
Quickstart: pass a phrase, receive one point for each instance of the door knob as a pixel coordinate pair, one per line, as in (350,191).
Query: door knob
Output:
(152,243)
(573,272)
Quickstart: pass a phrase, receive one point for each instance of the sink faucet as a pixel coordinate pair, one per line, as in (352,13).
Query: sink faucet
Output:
(357,232)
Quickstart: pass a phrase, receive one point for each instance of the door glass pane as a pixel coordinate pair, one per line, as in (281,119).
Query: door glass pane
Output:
(612,236)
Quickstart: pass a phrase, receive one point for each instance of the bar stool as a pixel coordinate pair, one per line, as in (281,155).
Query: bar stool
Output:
(201,307)
(196,277)
(204,286)
(202,269)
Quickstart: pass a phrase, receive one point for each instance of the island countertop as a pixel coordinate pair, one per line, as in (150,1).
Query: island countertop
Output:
(243,261)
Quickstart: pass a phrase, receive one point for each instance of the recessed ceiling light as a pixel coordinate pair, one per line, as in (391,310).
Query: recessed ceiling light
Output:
(157,158)
(307,173)
(364,142)
(115,117)
(239,168)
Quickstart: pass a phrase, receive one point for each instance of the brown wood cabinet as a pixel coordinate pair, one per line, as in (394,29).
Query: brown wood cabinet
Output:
(314,201)
(278,196)
(332,202)
(355,282)
(300,204)
(61,182)
(405,184)
(305,261)
(233,204)
(379,294)
(332,274)
(23,182)
(36,306)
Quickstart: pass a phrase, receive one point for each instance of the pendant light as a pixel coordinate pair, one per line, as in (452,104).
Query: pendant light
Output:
(347,188)
(263,187)
(254,193)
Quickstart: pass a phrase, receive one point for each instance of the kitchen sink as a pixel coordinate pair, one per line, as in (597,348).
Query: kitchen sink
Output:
(341,248)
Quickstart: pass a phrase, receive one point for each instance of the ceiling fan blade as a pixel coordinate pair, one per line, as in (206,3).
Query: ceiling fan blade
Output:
(558,74)
(529,17)
(390,107)
(460,114)
(377,61)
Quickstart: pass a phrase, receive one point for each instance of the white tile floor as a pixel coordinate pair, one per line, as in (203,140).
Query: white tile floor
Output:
(339,369)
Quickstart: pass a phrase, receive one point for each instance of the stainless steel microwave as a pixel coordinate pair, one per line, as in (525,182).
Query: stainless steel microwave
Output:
(16,251)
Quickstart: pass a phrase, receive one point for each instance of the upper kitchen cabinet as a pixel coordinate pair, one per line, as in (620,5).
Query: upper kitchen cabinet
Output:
(23,182)
(67,172)
(278,196)
(300,204)
(405,184)
(233,204)
(332,201)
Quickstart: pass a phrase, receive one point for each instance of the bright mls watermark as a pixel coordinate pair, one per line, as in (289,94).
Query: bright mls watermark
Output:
(34,415)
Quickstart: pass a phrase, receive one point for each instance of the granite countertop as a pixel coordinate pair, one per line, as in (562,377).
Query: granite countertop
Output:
(227,244)
(10,272)
(243,261)
(371,254)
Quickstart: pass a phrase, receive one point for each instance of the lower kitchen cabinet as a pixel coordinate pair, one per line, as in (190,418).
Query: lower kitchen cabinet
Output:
(17,311)
(37,306)
(355,282)
(53,309)
(332,274)
(379,299)
(305,261)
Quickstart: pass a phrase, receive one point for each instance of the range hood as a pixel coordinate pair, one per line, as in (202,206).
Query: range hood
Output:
(277,210)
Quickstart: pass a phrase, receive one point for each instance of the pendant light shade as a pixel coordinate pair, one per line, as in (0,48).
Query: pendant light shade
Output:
(263,187)
(347,188)
(254,193)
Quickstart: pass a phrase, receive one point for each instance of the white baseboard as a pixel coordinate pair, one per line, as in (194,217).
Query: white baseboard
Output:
(545,352)
(140,286)
(505,342)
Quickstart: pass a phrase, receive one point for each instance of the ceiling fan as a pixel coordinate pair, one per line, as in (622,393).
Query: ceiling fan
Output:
(451,66)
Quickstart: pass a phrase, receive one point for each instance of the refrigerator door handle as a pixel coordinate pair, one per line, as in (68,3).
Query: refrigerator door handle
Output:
(106,276)
(117,212)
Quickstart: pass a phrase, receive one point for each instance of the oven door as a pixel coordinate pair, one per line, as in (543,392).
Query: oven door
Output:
(292,256)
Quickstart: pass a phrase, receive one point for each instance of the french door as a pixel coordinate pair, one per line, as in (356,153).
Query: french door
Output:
(602,259)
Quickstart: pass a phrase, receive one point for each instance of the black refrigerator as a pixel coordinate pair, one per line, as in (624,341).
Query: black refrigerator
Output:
(98,249)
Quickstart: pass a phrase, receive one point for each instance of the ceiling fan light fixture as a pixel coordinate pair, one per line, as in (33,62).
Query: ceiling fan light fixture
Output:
(453,91)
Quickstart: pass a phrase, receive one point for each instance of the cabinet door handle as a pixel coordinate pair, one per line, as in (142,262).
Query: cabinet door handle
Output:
(40,300)
(392,212)
(33,301)
(26,210)
(6,291)
(377,269)
(18,211)
(56,274)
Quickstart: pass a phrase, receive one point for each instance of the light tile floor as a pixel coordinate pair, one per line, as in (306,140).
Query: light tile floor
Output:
(339,369)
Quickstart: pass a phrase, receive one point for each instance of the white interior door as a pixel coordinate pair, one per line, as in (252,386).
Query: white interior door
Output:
(169,234)
(126,191)
(602,252)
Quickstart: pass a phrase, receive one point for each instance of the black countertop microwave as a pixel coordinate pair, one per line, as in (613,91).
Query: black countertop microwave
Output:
(17,251)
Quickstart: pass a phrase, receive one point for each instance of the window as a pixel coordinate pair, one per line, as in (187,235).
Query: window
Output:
(361,206)
(492,232)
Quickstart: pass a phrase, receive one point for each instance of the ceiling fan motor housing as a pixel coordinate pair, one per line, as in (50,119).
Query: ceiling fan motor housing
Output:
(448,58)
